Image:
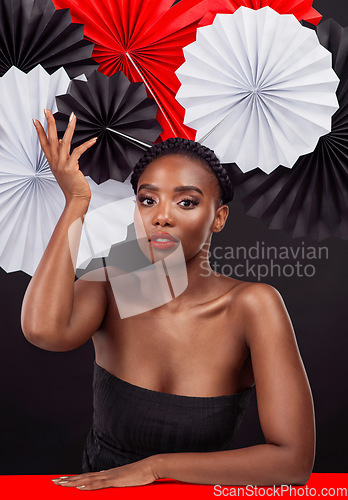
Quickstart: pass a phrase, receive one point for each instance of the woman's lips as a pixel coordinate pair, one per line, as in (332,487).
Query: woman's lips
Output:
(162,241)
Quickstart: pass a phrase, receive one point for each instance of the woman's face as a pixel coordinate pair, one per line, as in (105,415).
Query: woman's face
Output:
(178,196)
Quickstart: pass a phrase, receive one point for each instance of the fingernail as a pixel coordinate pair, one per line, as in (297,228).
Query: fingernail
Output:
(63,482)
(46,112)
(34,122)
(63,477)
(94,139)
(71,116)
(80,487)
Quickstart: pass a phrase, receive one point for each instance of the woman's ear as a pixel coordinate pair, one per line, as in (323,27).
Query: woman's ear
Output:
(220,218)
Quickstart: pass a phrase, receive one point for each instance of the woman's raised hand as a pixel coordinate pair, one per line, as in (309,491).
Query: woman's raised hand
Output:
(65,166)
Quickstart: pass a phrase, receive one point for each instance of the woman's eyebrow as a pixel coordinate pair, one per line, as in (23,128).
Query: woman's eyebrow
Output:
(153,187)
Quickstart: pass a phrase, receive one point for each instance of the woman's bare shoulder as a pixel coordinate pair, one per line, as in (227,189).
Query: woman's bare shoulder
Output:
(264,313)
(256,294)
(251,293)
(256,301)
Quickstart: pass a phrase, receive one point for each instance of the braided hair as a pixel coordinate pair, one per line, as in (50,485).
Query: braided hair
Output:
(193,150)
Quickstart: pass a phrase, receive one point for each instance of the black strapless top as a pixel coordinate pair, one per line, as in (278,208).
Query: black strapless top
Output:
(131,423)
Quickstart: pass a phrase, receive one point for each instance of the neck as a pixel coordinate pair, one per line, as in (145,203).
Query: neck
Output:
(199,276)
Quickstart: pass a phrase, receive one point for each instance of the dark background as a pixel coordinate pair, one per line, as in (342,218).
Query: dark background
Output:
(46,403)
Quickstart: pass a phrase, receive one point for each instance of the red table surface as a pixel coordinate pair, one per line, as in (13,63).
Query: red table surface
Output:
(41,487)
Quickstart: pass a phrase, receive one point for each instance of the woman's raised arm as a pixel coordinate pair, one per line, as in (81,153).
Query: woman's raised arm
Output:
(58,314)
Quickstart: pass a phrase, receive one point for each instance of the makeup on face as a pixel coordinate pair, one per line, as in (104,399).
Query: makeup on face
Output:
(176,202)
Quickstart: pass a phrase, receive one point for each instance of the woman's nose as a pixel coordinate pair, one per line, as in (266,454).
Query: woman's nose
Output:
(162,215)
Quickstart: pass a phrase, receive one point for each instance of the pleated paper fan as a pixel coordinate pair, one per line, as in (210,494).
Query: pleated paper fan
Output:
(311,199)
(119,113)
(31,200)
(144,40)
(106,222)
(33,32)
(335,39)
(258,87)
(301,9)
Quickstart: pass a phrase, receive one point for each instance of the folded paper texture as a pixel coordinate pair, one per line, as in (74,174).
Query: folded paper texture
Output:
(258,87)
(301,9)
(311,199)
(116,111)
(31,200)
(144,39)
(33,32)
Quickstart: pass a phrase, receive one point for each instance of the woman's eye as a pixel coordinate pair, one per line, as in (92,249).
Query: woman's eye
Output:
(189,203)
(144,199)
(149,202)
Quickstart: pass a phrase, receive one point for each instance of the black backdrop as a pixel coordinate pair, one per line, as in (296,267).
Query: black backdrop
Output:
(46,397)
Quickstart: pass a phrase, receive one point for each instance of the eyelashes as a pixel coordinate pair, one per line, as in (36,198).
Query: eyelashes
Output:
(192,201)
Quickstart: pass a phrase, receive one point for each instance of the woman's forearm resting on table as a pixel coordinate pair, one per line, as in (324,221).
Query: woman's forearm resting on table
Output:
(263,465)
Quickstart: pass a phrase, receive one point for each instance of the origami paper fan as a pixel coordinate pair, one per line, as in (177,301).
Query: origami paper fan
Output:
(144,40)
(301,9)
(311,199)
(258,87)
(32,32)
(116,111)
(107,224)
(31,200)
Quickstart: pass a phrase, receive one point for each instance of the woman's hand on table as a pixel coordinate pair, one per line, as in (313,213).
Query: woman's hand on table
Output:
(135,474)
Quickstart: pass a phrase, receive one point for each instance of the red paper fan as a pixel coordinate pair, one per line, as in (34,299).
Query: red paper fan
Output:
(144,40)
(301,9)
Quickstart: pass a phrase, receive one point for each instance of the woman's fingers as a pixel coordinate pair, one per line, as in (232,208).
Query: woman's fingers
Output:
(88,481)
(75,155)
(43,139)
(52,135)
(65,143)
(58,151)
(64,166)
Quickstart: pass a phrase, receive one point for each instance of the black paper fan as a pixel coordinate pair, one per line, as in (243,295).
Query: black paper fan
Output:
(311,198)
(119,113)
(33,32)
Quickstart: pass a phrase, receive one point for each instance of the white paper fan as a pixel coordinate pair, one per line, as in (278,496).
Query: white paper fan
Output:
(258,87)
(31,200)
(104,226)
